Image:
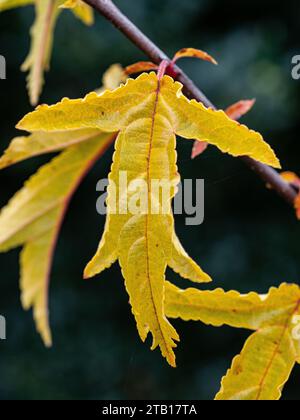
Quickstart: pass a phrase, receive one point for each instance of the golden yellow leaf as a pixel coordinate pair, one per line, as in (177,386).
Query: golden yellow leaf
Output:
(36,259)
(32,219)
(38,59)
(189,119)
(42,31)
(269,355)
(147,113)
(143,254)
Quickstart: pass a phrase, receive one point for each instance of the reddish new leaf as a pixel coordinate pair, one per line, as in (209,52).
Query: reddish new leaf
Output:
(241,108)
(193,53)
(294,180)
(140,67)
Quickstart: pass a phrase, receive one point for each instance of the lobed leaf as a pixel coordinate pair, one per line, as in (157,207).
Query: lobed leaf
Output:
(147,113)
(133,239)
(112,111)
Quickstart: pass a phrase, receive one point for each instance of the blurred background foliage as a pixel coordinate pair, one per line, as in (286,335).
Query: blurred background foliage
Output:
(250,238)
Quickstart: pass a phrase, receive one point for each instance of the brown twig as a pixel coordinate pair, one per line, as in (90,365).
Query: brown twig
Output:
(111,12)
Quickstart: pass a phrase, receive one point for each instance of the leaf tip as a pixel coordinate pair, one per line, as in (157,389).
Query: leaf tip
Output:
(276,163)
(199,148)
(47,339)
(86,275)
(20,124)
(89,272)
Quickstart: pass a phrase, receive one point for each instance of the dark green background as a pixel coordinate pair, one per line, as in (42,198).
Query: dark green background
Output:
(250,238)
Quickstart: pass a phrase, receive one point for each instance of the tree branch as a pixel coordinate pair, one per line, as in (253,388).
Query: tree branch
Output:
(110,11)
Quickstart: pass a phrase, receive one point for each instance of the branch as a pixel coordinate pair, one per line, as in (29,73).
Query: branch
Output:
(110,11)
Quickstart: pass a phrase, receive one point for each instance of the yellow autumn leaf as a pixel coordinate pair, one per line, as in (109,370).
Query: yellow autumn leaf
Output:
(113,111)
(38,59)
(148,113)
(269,355)
(42,32)
(32,219)
(37,255)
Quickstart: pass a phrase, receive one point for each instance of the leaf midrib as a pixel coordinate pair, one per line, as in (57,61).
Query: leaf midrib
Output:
(147,215)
